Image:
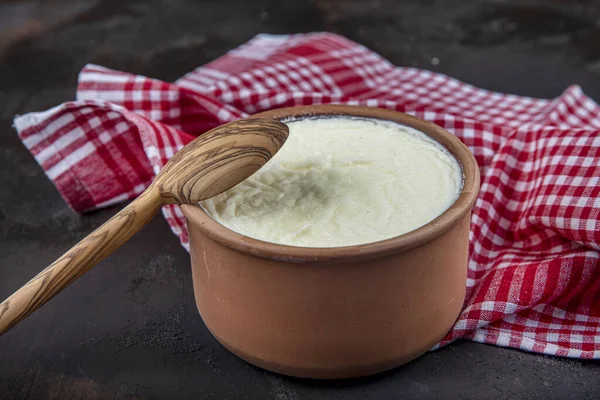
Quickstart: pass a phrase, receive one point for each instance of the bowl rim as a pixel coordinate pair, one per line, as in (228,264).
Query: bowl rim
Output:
(196,216)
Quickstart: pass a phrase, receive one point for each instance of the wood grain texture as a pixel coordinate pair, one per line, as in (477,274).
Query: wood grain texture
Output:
(207,166)
(220,159)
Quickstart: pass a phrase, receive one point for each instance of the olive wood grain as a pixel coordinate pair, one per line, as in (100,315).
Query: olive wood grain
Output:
(207,166)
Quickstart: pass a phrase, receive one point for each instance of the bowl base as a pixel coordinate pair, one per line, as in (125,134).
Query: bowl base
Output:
(333,372)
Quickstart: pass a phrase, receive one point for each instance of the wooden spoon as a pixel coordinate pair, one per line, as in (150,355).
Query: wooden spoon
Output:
(207,166)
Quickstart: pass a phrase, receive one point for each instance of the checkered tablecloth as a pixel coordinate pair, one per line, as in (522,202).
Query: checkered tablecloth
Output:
(534,273)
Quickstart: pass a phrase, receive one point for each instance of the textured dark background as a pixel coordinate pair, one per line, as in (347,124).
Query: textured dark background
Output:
(129,328)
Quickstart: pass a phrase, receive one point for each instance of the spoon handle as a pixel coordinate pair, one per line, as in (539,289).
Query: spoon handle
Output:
(79,259)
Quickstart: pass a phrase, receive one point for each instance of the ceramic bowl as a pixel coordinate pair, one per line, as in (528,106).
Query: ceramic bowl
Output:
(336,312)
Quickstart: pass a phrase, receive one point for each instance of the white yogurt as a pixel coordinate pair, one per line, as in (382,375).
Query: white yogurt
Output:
(340,182)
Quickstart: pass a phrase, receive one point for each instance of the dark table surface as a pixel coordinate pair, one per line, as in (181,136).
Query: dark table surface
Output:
(129,328)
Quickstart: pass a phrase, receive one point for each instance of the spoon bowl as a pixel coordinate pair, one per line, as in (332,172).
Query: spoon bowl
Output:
(219,160)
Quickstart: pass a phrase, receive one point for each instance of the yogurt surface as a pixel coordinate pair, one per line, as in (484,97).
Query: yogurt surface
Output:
(342,181)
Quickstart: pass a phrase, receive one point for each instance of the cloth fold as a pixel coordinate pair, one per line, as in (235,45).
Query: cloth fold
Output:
(534,272)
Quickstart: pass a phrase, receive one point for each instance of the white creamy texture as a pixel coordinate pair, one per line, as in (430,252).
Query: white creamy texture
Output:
(342,181)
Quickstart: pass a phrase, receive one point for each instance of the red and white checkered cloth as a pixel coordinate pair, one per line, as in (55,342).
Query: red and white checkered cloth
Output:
(534,270)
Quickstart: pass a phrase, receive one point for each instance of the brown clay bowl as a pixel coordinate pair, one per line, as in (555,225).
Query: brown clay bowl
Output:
(335,312)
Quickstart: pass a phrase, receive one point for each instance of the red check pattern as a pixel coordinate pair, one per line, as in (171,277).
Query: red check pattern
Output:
(534,271)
